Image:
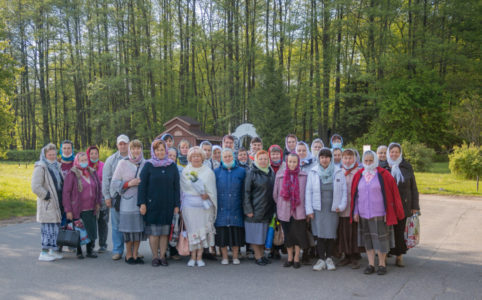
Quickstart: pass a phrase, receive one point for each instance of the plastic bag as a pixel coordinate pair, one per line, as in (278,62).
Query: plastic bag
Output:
(412,231)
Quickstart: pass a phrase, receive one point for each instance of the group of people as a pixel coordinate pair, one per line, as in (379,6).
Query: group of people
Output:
(330,203)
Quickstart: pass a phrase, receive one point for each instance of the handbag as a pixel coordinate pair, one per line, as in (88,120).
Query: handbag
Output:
(183,243)
(68,237)
(311,239)
(279,237)
(174,233)
(117,201)
(412,231)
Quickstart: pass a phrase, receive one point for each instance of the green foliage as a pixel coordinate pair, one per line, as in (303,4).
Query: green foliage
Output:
(419,155)
(466,161)
(21,155)
(8,72)
(467,118)
(270,110)
(105,152)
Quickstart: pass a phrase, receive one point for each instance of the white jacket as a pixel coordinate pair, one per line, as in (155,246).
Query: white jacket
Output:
(313,191)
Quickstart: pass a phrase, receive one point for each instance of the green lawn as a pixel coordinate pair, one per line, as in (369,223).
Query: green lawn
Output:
(17,199)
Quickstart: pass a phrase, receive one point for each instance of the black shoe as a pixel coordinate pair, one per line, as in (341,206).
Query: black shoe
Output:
(80,256)
(288,264)
(369,270)
(382,270)
(209,256)
(130,261)
(276,255)
(92,255)
(164,262)
(260,262)
(296,265)
(139,261)
(266,261)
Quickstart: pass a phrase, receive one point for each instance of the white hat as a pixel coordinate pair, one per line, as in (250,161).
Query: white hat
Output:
(122,138)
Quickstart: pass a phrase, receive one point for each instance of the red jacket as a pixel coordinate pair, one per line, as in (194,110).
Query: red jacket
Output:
(391,197)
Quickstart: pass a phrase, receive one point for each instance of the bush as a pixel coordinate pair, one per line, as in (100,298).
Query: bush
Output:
(105,152)
(466,161)
(21,155)
(419,155)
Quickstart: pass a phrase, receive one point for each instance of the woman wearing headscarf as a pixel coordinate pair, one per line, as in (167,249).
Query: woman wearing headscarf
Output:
(169,139)
(376,206)
(258,204)
(325,198)
(289,195)
(47,185)
(347,232)
(275,157)
(82,197)
(158,199)
(103,218)
(199,205)
(67,156)
(229,222)
(290,144)
(172,155)
(183,149)
(316,146)
(336,141)
(216,157)
(382,157)
(404,175)
(306,159)
(125,182)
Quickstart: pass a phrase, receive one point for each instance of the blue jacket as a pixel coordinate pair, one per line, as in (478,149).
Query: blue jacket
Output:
(230,188)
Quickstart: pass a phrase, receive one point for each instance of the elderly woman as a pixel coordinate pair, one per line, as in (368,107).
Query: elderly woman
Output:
(82,196)
(216,157)
(258,204)
(199,205)
(158,199)
(376,206)
(125,182)
(382,157)
(47,185)
(306,159)
(403,173)
(316,146)
(275,157)
(325,198)
(289,195)
(229,222)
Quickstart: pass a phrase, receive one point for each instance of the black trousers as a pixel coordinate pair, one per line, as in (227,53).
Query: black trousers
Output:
(325,247)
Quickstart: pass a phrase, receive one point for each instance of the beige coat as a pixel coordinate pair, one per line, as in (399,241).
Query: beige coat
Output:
(48,211)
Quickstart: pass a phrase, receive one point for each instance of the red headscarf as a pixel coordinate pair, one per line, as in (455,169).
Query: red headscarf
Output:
(274,165)
(85,171)
(290,190)
(91,164)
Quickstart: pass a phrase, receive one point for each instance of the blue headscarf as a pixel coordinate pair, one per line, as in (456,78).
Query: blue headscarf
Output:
(71,157)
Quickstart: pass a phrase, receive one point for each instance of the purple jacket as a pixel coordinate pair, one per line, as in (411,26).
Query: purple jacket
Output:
(283,207)
(71,192)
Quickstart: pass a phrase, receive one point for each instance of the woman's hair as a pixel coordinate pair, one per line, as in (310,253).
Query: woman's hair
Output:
(138,144)
(348,152)
(261,152)
(68,142)
(291,135)
(156,144)
(336,149)
(381,147)
(229,137)
(325,152)
(49,147)
(184,141)
(242,149)
(195,150)
(256,140)
(393,145)
(293,155)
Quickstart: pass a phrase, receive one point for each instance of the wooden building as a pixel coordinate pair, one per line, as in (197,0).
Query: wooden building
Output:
(184,127)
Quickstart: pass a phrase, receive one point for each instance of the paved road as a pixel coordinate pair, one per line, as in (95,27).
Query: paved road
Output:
(447,265)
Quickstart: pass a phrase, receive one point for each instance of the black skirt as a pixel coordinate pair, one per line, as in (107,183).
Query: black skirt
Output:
(400,245)
(231,236)
(295,233)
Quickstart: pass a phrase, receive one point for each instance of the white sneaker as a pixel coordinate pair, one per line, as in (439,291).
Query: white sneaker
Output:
(200,263)
(191,263)
(45,256)
(236,261)
(55,254)
(225,262)
(330,266)
(320,265)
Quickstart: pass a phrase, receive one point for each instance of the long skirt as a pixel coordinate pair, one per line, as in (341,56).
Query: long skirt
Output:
(90,224)
(295,233)
(375,234)
(348,237)
(256,232)
(49,233)
(200,229)
(400,245)
(232,236)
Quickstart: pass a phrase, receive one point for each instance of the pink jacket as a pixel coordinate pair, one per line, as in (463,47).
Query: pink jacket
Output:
(71,192)
(283,207)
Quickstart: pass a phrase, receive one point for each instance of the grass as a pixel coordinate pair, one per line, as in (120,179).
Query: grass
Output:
(17,199)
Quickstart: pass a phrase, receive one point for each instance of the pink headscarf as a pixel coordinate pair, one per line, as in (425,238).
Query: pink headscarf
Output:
(85,171)
(290,190)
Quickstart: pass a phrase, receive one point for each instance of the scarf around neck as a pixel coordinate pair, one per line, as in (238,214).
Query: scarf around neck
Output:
(395,164)
(326,175)
(157,162)
(290,189)
(53,167)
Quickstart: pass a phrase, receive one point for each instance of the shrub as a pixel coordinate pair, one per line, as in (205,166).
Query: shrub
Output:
(21,155)
(466,161)
(419,155)
(105,152)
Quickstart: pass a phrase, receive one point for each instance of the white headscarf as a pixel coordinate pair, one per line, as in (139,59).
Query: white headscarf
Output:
(372,169)
(395,164)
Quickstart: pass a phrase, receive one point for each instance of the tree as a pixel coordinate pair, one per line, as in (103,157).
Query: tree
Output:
(8,71)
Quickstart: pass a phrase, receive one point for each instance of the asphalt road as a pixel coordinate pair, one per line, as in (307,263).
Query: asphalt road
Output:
(446,265)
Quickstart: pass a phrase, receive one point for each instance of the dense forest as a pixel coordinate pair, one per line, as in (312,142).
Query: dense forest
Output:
(371,70)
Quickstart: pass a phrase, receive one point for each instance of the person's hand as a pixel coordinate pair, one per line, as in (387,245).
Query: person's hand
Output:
(134,182)
(143,209)
(205,196)
(310,217)
(338,210)
(108,203)
(385,218)
(97,209)
(356,218)
(70,216)
(250,215)
(176,210)
(414,211)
